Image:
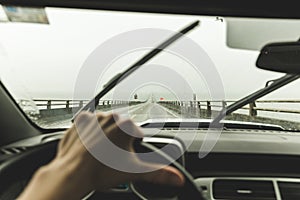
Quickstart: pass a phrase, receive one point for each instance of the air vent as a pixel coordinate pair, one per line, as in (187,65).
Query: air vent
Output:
(243,190)
(12,150)
(289,190)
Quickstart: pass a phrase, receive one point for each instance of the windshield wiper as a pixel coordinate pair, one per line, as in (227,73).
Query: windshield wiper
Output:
(91,105)
(270,87)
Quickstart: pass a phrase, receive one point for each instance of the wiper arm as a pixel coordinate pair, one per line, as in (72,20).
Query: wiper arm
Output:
(276,84)
(91,105)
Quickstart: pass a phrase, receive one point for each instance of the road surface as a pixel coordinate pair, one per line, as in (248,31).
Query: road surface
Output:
(137,113)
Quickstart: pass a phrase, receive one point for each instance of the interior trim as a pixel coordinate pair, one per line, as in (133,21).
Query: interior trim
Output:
(233,8)
(208,182)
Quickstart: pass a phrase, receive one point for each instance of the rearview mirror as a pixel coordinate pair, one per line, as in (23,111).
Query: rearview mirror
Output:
(280,57)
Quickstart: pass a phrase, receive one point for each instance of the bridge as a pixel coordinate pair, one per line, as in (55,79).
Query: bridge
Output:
(62,110)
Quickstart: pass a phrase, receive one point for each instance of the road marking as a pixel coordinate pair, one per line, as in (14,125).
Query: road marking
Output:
(167,110)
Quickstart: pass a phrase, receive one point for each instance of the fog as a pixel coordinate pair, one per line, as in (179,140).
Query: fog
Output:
(43,61)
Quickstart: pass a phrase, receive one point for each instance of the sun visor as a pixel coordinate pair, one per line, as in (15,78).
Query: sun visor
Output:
(254,33)
(23,14)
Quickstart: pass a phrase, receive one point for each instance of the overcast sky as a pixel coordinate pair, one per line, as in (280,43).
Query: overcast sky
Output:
(43,61)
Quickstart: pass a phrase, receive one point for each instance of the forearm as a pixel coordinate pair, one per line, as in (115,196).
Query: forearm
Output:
(75,172)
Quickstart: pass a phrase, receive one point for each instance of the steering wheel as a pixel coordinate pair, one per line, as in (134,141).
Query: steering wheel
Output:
(17,170)
(188,191)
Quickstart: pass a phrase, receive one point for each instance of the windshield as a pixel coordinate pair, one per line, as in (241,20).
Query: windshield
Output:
(56,63)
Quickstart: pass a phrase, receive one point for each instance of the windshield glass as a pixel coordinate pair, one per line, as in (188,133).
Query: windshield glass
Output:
(54,67)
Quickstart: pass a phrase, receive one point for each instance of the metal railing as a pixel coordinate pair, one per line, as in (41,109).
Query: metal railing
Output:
(188,108)
(205,108)
(43,104)
(59,107)
(258,111)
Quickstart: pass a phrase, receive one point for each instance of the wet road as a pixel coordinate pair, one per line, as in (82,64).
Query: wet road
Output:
(137,113)
(146,111)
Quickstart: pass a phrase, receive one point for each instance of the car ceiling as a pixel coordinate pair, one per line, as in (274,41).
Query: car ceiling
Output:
(235,8)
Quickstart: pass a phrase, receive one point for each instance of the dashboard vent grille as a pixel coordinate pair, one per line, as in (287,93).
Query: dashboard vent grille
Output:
(243,190)
(12,150)
(289,190)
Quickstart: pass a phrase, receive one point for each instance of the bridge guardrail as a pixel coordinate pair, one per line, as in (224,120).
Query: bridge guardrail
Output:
(205,108)
(55,107)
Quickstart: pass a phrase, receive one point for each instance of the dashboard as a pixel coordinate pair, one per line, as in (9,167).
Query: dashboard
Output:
(243,165)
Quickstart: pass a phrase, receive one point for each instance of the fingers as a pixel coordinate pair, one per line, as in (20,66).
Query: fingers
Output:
(124,133)
(164,175)
(108,120)
(84,124)
(88,129)
(102,128)
(92,128)
(69,137)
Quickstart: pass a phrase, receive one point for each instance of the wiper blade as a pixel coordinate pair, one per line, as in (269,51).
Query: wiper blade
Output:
(91,105)
(276,84)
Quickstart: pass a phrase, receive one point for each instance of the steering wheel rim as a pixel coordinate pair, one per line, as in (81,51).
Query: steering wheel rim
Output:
(22,166)
(46,152)
(188,191)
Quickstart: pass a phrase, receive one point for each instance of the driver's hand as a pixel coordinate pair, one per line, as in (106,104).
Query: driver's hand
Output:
(75,171)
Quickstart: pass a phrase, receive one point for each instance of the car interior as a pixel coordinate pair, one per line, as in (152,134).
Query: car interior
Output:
(253,156)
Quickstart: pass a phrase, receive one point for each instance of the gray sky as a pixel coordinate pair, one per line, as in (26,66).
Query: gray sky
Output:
(43,61)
